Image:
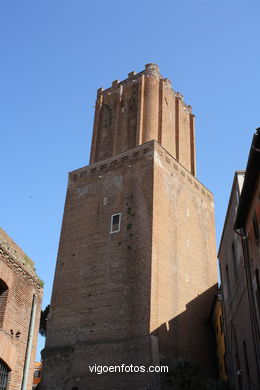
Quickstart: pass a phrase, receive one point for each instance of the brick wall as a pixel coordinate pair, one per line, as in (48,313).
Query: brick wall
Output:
(184,267)
(16,313)
(114,293)
(141,108)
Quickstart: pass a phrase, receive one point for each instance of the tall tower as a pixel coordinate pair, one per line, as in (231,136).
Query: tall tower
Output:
(136,269)
(143,108)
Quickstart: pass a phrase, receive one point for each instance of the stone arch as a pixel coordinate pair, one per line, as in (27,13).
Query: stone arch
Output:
(4,373)
(3,300)
(8,353)
(6,274)
(6,282)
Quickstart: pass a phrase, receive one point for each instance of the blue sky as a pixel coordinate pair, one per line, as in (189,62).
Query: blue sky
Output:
(55,54)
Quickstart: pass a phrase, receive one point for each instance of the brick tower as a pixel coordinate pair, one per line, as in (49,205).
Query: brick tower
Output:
(136,266)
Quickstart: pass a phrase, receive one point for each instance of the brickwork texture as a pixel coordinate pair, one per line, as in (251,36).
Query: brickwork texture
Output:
(18,285)
(144,292)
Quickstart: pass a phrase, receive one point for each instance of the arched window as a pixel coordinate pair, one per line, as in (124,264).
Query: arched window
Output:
(3,287)
(3,299)
(4,371)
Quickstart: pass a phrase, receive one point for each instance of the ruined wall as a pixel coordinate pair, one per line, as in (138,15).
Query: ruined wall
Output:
(15,310)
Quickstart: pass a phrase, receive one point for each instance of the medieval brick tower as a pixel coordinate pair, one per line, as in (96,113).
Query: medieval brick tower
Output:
(136,265)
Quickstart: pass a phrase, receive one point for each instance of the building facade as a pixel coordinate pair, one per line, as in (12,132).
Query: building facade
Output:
(20,308)
(247,226)
(239,259)
(136,271)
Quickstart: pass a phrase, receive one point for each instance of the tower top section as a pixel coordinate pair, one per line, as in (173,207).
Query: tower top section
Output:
(141,108)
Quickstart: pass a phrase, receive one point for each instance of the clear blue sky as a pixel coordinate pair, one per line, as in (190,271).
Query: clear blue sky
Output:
(54,56)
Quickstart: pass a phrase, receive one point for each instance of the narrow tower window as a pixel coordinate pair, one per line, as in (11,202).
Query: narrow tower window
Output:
(257,289)
(234,260)
(115,223)
(3,300)
(255,226)
(228,283)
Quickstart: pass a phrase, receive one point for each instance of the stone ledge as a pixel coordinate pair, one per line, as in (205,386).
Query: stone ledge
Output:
(137,152)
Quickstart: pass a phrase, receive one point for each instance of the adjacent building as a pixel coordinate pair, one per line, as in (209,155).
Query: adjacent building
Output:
(247,226)
(37,374)
(218,326)
(239,258)
(20,308)
(136,270)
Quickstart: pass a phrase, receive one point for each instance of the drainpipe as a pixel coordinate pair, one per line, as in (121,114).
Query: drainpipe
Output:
(29,345)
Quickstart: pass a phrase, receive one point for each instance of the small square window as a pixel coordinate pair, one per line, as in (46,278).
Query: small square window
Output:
(115,223)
